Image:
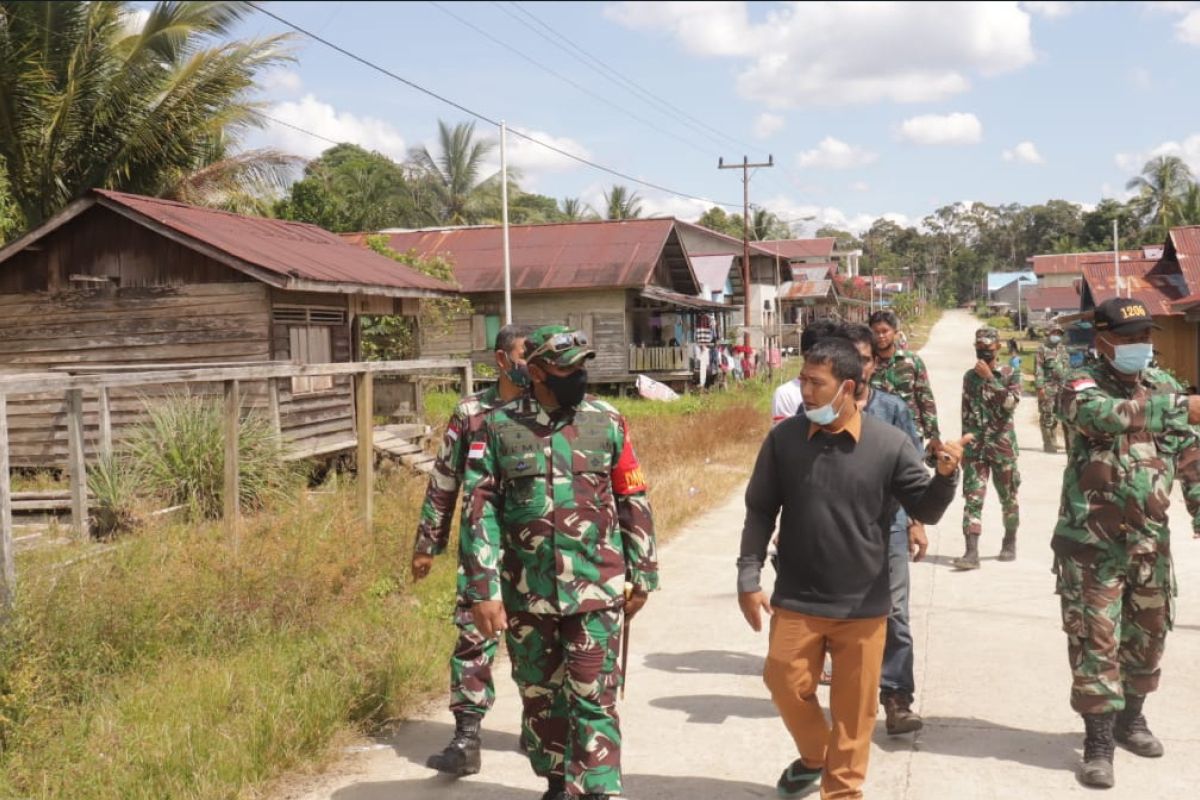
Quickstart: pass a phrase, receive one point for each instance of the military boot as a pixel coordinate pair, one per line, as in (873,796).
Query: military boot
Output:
(1131,731)
(1098,746)
(1008,548)
(1048,444)
(901,718)
(970,559)
(461,756)
(557,788)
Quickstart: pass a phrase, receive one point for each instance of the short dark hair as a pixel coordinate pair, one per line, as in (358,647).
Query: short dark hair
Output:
(856,332)
(841,356)
(883,315)
(507,336)
(815,331)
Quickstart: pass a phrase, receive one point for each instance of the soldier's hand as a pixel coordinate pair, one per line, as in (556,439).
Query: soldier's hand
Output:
(754,605)
(1194,408)
(421,564)
(951,455)
(983,370)
(918,542)
(490,618)
(635,602)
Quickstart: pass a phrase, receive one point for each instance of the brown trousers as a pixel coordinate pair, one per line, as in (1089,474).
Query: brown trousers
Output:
(794,661)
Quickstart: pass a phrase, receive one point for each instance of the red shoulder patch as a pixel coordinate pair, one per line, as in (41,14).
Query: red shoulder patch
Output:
(627,477)
(1081,384)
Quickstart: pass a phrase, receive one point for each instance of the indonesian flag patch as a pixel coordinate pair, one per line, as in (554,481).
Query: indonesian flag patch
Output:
(1082,384)
(477,450)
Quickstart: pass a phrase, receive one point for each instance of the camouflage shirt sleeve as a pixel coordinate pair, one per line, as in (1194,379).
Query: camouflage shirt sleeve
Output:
(1098,415)
(633,512)
(433,530)
(1039,369)
(1002,392)
(923,397)
(1187,470)
(480,535)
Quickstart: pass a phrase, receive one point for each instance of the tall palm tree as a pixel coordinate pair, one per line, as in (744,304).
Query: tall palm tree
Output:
(89,100)
(1189,205)
(460,195)
(622,203)
(1163,182)
(573,209)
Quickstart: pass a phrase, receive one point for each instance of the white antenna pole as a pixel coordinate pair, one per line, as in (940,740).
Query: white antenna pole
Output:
(1116,258)
(504,220)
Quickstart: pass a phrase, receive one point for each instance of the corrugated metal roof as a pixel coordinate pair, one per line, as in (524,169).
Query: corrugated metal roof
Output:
(799,248)
(998,280)
(685,301)
(805,290)
(569,255)
(813,272)
(1160,290)
(1184,244)
(1072,263)
(1055,298)
(290,250)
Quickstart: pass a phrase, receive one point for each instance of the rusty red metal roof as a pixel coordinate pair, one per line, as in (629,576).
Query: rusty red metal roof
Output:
(813,272)
(566,255)
(796,249)
(806,290)
(1072,263)
(1156,282)
(1055,298)
(299,254)
(1183,244)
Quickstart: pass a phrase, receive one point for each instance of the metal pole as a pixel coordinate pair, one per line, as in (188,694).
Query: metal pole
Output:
(504,222)
(1116,259)
(745,167)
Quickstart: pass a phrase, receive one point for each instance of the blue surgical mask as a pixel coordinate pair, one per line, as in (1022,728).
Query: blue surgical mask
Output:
(826,413)
(1055,339)
(1132,358)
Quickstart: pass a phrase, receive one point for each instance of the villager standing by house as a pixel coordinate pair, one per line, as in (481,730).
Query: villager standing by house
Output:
(837,476)
(903,373)
(990,394)
(1112,547)
(472,690)
(558,553)
(1050,367)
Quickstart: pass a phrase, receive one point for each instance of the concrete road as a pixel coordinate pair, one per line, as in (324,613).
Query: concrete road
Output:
(992,672)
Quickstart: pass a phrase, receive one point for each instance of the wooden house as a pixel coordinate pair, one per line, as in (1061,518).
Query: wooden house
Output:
(120,281)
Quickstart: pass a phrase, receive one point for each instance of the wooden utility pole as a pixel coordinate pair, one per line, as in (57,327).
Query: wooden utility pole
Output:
(745,167)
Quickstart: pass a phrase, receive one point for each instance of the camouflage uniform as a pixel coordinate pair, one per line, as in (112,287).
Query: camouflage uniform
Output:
(905,376)
(1112,547)
(987,412)
(472,690)
(1051,364)
(557,523)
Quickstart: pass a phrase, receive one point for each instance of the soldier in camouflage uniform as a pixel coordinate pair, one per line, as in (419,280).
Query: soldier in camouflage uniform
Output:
(471,689)
(557,542)
(903,374)
(1112,547)
(1051,365)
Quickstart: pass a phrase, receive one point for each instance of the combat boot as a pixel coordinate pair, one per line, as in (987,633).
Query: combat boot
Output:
(901,718)
(461,756)
(1098,746)
(970,559)
(1132,732)
(1008,548)
(557,788)
(1048,444)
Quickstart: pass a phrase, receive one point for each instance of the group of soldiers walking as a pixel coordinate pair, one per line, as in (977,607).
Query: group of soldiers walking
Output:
(557,547)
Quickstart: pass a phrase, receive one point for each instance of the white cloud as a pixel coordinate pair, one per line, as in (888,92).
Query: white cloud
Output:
(533,159)
(939,129)
(323,119)
(1024,153)
(1188,150)
(831,216)
(1188,29)
(280,80)
(767,125)
(846,53)
(1050,9)
(134,19)
(831,153)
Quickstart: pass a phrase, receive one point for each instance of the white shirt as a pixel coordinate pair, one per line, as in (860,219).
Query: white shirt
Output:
(787,401)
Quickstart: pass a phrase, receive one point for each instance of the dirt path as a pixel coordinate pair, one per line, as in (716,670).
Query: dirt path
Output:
(991,672)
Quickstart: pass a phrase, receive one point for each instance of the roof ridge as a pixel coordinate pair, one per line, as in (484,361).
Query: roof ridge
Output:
(113,194)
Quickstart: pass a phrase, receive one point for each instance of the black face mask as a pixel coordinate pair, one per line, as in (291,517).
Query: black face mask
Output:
(568,389)
(986,355)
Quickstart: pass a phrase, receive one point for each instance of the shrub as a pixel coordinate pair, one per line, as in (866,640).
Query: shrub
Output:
(1000,322)
(116,482)
(180,450)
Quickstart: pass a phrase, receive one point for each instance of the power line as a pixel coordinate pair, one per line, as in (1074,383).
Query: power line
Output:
(647,96)
(479,116)
(278,121)
(565,79)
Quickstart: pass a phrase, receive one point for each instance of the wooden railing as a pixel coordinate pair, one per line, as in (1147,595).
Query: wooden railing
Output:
(658,359)
(232,378)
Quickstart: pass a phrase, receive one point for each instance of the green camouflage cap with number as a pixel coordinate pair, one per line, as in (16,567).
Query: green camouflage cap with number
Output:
(558,345)
(987,335)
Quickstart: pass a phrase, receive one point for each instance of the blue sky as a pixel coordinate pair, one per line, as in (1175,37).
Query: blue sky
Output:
(868,108)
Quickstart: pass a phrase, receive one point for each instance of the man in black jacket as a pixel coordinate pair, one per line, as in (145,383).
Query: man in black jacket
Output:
(838,477)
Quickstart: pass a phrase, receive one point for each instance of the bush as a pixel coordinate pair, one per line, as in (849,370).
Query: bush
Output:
(180,452)
(1000,323)
(117,484)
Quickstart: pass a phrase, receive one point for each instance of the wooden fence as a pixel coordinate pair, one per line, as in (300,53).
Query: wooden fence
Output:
(658,359)
(232,378)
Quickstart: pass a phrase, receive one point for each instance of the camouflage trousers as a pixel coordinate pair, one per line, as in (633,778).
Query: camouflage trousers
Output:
(997,461)
(1116,612)
(567,674)
(472,690)
(1048,418)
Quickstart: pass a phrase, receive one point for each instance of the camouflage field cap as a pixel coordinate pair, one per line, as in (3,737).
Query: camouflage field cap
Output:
(558,345)
(1056,328)
(987,336)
